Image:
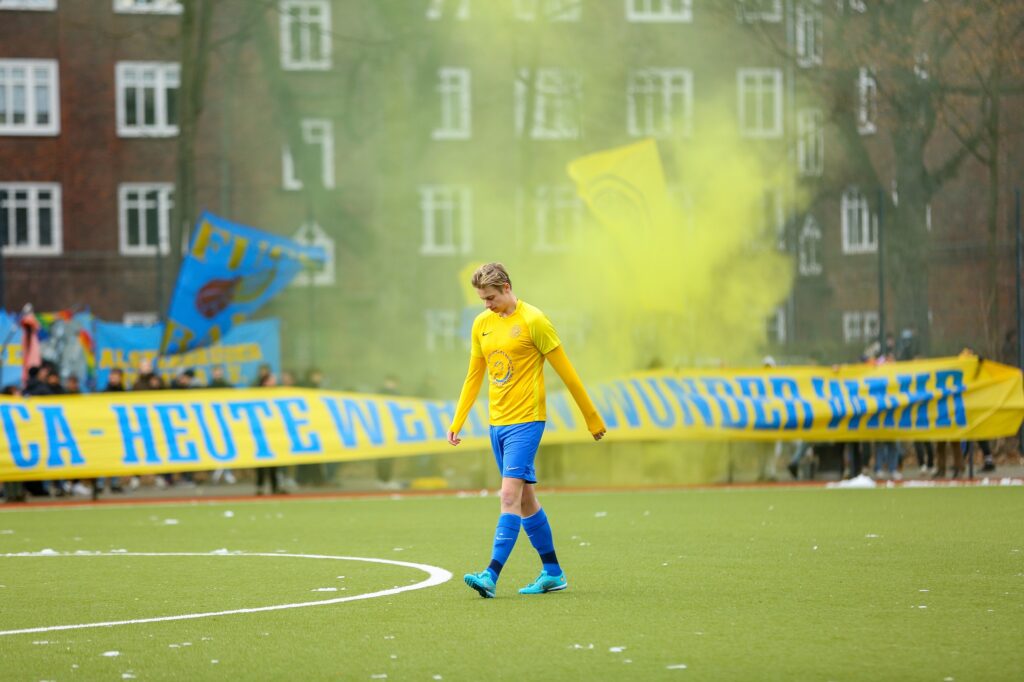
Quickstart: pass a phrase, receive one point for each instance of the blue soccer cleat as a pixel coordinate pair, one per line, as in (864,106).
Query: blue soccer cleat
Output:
(546,583)
(482,583)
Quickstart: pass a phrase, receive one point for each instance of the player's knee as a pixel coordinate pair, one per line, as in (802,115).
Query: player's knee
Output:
(511,497)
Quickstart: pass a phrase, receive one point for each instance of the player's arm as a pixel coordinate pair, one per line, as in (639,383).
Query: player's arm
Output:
(470,389)
(560,361)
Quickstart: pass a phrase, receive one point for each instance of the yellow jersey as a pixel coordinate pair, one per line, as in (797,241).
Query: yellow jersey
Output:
(513,349)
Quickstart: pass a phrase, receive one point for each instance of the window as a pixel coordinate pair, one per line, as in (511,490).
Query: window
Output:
(447,219)
(752,11)
(774,213)
(147,99)
(145,218)
(147,6)
(867,101)
(808,248)
(436,9)
(557,96)
(316,132)
(305,35)
(442,330)
(810,142)
(809,29)
(760,102)
(860,326)
(30,219)
(860,233)
(39,5)
(775,327)
(559,217)
(312,234)
(549,10)
(29,101)
(657,11)
(659,102)
(456,112)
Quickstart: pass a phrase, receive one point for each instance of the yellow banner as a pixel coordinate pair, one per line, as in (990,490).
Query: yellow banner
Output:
(161,431)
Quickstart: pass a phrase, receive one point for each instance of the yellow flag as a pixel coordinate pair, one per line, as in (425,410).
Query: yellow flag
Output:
(624,186)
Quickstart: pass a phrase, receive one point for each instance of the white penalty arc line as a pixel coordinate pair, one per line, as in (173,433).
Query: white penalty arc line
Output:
(436,576)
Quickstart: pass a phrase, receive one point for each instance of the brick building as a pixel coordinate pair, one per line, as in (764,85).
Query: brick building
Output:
(369,127)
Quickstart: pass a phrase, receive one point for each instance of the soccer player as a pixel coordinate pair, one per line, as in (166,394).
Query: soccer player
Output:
(510,342)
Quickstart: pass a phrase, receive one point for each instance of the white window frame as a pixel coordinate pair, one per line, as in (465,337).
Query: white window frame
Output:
(311,234)
(809,248)
(752,11)
(867,102)
(28,85)
(131,196)
(557,210)
(557,105)
(166,76)
(810,142)
(775,216)
(437,9)
(314,18)
(860,326)
(659,11)
(148,7)
(447,217)
(777,321)
(454,89)
(30,5)
(664,91)
(33,247)
(765,82)
(809,33)
(442,329)
(548,10)
(316,132)
(859,227)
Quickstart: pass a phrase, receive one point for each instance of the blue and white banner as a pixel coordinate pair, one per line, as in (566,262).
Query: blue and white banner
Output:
(240,353)
(229,273)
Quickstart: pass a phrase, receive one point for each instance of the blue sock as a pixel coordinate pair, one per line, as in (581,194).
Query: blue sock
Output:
(539,531)
(504,540)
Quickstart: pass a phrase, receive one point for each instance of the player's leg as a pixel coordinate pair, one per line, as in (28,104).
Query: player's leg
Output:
(510,520)
(538,529)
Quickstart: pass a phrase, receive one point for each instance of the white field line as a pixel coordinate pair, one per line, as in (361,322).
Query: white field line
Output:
(436,576)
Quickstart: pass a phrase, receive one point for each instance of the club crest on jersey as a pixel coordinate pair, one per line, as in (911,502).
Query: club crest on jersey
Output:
(499,366)
(515,331)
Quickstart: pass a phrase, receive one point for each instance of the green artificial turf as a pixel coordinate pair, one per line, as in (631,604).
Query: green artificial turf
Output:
(774,583)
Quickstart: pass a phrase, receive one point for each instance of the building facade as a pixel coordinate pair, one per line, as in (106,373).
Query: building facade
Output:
(413,139)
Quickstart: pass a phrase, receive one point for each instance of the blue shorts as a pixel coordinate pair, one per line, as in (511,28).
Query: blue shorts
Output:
(515,447)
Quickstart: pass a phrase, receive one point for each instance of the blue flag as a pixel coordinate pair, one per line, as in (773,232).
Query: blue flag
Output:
(230,272)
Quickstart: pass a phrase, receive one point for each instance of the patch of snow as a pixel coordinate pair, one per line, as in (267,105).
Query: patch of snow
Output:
(600,515)
(861,481)
(616,649)
(170,522)
(229,514)
(325,589)
(677,666)
(111,654)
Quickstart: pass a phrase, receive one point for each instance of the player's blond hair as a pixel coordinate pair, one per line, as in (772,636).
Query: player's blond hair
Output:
(491,275)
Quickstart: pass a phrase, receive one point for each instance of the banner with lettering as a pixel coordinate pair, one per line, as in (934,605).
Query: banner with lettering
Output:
(229,273)
(239,353)
(136,432)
